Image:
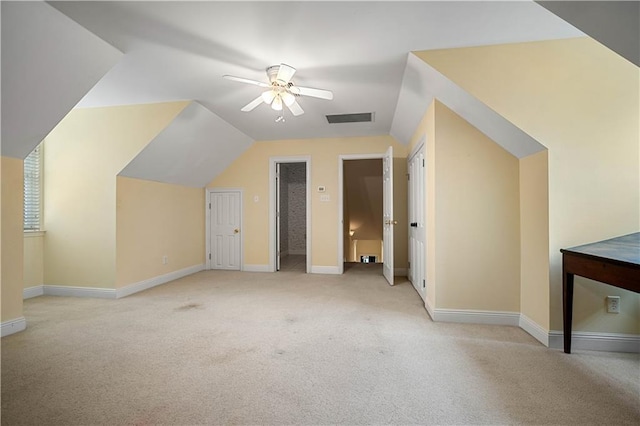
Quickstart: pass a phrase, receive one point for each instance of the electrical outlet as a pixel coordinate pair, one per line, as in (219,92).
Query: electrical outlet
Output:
(613,304)
(165,259)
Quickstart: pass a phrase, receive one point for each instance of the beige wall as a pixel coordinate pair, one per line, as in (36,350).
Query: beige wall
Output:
(11,272)
(155,220)
(534,238)
(33,259)
(251,172)
(477,218)
(582,101)
(82,157)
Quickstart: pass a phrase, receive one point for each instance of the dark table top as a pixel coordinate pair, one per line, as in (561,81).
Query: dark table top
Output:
(625,249)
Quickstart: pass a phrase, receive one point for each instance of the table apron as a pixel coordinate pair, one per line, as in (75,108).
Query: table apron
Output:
(627,277)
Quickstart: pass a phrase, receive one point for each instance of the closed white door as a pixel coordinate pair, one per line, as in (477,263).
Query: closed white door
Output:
(416,168)
(387,215)
(225,230)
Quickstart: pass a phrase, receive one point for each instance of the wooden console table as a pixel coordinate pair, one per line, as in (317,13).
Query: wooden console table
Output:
(615,262)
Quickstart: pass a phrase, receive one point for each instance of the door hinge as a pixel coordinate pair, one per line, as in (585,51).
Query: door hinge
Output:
(424,283)
(423,162)
(209,256)
(209,206)
(408,176)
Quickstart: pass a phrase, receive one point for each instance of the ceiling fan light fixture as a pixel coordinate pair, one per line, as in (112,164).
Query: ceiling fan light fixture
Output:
(277,103)
(268,96)
(288,98)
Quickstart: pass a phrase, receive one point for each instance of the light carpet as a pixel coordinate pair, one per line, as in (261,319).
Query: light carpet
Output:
(292,348)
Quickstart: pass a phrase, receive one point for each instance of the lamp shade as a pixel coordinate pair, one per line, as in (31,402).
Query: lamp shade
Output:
(288,98)
(268,96)
(277,103)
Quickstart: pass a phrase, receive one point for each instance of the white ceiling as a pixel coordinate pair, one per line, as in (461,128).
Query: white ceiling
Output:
(359,50)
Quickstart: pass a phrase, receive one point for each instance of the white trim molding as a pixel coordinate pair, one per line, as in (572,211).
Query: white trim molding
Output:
(333,270)
(13,326)
(156,281)
(35,291)
(594,341)
(476,317)
(534,329)
(256,268)
(71,291)
(429,307)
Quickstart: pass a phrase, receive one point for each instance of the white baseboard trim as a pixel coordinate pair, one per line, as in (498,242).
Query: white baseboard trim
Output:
(593,341)
(70,291)
(35,291)
(256,268)
(476,317)
(534,329)
(325,270)
(156,281)
(400,272)
(429,307)
(13,326)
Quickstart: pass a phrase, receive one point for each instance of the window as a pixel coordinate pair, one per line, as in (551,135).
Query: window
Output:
(32,190)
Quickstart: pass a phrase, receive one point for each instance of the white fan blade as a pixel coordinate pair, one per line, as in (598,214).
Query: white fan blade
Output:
(252,105)
(310,91)
(285,73)
(246,80)
(295,109)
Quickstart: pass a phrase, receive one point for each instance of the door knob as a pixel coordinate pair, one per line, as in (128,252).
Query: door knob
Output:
(235,231)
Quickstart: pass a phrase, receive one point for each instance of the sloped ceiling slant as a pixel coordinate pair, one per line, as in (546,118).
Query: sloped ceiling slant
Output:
(195,147)
(49,63)
(422,83)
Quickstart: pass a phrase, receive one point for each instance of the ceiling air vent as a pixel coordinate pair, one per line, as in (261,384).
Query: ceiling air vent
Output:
(362,117)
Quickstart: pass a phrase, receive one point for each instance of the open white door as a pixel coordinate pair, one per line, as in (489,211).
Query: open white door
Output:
(387,215)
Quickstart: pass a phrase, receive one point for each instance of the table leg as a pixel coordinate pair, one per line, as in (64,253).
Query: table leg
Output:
(567,309)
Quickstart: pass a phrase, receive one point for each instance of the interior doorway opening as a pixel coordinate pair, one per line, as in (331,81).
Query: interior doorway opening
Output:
(290,214)
(291,217)
(362,213)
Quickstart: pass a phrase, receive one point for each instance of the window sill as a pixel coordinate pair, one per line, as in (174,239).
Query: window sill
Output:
(31,234)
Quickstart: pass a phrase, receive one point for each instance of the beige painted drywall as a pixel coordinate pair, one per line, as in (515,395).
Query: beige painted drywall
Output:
(582,101)
(33,259)
(534,238)
(477,218)
(156,220)
(82,157)
(251,173)
(11,272)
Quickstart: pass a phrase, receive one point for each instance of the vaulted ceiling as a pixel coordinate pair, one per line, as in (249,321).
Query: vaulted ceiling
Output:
(145,52)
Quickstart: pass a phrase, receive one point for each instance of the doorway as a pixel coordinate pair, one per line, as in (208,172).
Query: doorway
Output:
(290,214)
(366,224)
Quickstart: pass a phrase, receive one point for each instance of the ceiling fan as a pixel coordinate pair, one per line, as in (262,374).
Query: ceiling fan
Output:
(281,90)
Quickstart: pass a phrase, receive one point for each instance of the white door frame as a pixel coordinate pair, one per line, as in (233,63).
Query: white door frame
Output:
(207,215)
(341,160)
(272,206)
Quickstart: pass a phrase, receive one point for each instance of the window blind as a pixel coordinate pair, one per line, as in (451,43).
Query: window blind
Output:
(32,190)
